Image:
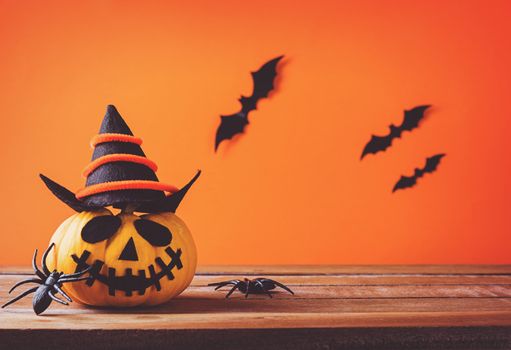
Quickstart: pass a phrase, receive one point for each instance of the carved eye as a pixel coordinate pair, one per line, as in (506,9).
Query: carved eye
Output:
(153,232)
(100,228)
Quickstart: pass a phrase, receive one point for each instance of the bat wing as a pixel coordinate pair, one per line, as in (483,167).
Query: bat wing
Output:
(230,125)
(413,117)
(405,182)
(263,80)
(410,181)
(411,121)
(432,163)
(377,144)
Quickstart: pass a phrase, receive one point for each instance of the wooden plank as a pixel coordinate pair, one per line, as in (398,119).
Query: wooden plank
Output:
(15,270)
(355,280)
(376,280)
(366,292)
(355,270)
(275,270)
(423,338)
(251,306)
(335,308)
(332,291)
(67,319)
(319,298)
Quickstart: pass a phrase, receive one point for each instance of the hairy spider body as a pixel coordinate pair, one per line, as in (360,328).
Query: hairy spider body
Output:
(49,285)
(255,286)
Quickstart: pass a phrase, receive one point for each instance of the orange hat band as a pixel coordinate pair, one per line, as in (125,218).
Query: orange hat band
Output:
(102,138)
(118,157)
(125,185)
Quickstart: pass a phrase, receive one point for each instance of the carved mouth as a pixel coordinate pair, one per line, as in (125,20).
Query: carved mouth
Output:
(130,282)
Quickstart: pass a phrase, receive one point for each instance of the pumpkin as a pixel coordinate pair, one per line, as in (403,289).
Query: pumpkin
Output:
(133,260)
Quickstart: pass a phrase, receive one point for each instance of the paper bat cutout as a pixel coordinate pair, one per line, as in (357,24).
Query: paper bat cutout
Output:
(411,121)
(234,124)
(410,181)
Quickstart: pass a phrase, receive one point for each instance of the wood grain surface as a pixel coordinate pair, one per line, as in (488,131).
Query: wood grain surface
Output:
(334,307)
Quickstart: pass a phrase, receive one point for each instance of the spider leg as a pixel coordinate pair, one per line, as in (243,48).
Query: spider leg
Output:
(281,285)
(58,289)
(25,293)
(56,299)
(76,274)
(247,282)
(263,288)
(64,280)
(32,280)
(232,290)
(218,283)
(36,269)
(224,283)
(43,261)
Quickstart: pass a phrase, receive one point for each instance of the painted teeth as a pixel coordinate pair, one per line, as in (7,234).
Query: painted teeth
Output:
(129,282)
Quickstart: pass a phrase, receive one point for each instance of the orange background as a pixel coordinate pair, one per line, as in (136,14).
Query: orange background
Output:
(292,188)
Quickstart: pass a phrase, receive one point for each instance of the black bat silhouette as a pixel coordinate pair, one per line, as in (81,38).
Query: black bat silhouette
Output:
(233,124)
(410,181)
(410,122)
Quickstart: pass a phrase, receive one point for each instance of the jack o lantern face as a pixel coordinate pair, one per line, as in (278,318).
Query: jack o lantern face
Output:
(130,256)
(102,228)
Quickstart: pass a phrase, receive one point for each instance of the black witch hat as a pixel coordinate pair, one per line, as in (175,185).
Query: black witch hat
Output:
(120,174)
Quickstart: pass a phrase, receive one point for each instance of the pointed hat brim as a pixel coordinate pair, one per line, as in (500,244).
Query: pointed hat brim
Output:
(169,203)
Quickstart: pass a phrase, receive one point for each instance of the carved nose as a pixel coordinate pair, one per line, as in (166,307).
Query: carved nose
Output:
(129,252)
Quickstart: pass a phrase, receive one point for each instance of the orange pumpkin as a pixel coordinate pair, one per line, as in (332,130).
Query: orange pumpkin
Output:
(134,260)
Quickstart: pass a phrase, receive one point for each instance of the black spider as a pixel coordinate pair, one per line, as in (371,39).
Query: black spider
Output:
(49,285)
(256,286)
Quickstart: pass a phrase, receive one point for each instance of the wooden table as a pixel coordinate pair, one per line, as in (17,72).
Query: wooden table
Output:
(335,307)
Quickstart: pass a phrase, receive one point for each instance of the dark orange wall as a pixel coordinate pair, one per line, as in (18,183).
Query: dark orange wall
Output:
(292,189)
